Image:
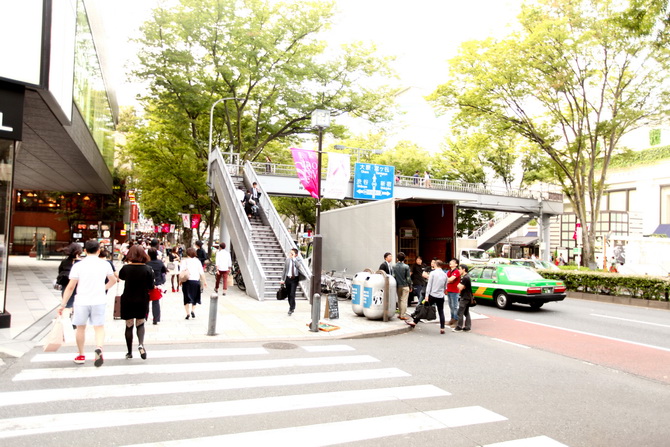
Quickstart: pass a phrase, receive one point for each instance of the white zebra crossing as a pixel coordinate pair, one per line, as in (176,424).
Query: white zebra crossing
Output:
(347,431)
(341,369)
(79,372)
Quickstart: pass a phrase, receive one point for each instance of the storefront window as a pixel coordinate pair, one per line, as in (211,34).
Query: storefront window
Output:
(6,161)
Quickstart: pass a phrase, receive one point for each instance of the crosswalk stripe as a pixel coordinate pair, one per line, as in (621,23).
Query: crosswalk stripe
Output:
(105,371)
(192,386)
(538,441)
(158,354)
(328,348)
(346,431)
(52,423)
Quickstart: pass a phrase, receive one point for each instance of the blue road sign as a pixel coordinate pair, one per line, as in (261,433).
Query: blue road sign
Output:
(373,182)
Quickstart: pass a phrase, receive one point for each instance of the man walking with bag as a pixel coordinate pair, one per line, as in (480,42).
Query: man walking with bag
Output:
(88,277)
(437,282)
(291,277)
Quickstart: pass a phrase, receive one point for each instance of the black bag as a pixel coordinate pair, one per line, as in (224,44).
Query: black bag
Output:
(473,302)
(282,293)
(425,312)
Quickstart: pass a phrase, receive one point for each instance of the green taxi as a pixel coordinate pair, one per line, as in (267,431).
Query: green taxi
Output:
(506,284)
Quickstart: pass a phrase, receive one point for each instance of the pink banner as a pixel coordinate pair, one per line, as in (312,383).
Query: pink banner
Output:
(165,228)
(195,220)
(306,164)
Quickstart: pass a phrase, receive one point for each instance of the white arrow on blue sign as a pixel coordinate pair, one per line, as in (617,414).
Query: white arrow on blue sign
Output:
(373,182)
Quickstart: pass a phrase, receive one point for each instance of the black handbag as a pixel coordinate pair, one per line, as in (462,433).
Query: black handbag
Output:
(282,293)
(425,312)
(473,302)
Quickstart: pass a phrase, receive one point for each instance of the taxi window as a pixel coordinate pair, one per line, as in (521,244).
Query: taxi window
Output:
(487,273)
(475,273)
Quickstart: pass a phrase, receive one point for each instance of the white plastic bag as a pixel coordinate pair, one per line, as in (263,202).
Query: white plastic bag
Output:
(55,338)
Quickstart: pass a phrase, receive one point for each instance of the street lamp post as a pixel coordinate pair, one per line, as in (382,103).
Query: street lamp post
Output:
(211,118)
(320,120)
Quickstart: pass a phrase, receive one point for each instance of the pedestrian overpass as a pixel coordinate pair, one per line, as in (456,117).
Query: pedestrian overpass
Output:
(521,205)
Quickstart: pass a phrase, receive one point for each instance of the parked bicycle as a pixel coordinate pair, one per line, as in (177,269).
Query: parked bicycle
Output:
(337,283)
(210,267)
(237,276)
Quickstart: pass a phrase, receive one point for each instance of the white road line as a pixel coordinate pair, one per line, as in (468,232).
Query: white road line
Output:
(192,386)
(538,441)
(158,354)
(596,335)
(333,433)
(328,348)
(106,371)
(511,343)
(632,321)
(53,423)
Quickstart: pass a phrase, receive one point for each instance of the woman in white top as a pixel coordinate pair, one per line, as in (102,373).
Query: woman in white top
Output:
(191,287)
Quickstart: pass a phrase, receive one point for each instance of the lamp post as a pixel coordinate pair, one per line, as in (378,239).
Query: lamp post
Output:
(211,118)
(320,120)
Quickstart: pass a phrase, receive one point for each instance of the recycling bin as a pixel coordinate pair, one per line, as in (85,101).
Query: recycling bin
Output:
(357,292)
(373,296)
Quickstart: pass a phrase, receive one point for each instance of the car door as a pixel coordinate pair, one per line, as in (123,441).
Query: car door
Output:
(483,285)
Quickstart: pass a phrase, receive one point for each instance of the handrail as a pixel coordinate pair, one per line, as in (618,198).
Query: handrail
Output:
(489,224)
(274,220)
(441,184)
(238,224)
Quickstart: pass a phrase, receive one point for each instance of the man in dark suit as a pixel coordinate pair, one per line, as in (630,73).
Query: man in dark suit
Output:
(386,265)
(291,276)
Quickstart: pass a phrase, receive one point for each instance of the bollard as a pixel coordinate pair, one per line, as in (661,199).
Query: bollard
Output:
(316,310)
(213,309)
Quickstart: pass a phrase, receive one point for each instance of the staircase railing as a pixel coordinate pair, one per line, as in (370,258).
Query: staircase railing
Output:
(220,180)
(274,220)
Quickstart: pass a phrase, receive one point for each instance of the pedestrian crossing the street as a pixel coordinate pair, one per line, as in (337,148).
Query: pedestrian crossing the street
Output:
(310,396)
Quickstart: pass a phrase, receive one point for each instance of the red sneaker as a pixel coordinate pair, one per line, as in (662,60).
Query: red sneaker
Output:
(80,359)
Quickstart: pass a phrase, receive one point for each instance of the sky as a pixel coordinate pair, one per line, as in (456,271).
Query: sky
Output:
(422,34)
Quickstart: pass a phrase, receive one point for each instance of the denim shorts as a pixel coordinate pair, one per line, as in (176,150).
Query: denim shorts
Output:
(82,314)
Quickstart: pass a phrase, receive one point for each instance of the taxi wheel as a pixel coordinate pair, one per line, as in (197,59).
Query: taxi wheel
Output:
(502,301)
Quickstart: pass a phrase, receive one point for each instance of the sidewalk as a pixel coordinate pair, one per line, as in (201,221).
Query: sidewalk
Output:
(32,301)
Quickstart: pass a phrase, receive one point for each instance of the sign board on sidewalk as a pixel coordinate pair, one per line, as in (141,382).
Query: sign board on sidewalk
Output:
(373,182)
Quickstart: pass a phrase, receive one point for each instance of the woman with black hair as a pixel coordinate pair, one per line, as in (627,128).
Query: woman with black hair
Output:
(72,251)
(139,280)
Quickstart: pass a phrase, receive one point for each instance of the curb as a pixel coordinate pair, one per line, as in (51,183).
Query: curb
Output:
(624,300)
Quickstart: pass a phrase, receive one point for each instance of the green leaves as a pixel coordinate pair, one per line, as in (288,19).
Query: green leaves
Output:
(265,54)
(575,78)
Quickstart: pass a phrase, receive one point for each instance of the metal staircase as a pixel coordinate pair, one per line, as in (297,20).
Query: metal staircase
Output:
(499,228)
(260,243)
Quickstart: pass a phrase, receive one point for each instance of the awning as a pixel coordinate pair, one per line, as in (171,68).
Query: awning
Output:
(663,229)
(523,240)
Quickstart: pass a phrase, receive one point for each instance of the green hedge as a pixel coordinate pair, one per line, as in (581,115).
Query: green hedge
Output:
(645,287)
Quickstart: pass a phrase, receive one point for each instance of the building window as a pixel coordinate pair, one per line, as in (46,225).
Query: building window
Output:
(90,93)
(665,205)
(620,200)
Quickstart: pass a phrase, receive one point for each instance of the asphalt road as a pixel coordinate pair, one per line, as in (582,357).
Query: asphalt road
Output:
(419,388)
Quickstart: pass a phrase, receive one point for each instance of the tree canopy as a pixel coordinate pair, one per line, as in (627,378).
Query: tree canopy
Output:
(264,54)
(572,81)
